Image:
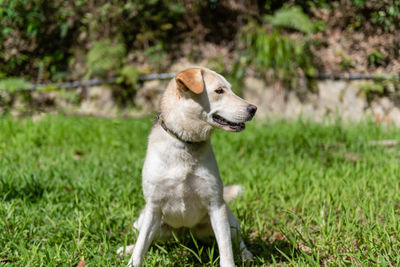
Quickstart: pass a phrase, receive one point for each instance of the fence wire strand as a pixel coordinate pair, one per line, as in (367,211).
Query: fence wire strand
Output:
(165,76)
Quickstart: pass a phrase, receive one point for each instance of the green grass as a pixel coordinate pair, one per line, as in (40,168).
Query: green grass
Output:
(315,194)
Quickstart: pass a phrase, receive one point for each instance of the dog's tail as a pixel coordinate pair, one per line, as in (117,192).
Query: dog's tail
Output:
(231,192)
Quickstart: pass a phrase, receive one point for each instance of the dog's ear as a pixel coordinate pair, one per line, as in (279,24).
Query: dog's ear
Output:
(191,79)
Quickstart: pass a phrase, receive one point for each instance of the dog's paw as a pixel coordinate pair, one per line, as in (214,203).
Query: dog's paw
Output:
(123,251)
(246,255)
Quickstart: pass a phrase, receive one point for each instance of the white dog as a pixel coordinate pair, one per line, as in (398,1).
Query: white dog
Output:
(181,182)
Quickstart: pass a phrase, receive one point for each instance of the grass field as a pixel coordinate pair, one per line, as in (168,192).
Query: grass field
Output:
(70,190)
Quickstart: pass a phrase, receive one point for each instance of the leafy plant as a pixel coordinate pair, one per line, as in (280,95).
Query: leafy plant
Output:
(389,17)
(33,30)
(105,57)
(292,18)
(372,87)
(382,86)
(129,75)
(264,51)
(13,84)
(37,37)
(345,63)
(156,55)
(109,59)
(376,58)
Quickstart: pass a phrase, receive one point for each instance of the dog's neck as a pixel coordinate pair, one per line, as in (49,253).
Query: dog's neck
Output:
(161,121)
(185,119)
(187,130)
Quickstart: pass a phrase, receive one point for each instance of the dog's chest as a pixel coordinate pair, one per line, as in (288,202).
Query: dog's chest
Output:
(185,202)
(181,182)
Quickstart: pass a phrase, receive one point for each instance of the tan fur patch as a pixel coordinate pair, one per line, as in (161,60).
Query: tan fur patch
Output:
(192,79)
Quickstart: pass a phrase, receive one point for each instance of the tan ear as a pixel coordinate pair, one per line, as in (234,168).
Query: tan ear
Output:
(191,79)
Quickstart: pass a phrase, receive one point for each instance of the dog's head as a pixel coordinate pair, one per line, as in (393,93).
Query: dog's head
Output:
(214,99)
(199,100)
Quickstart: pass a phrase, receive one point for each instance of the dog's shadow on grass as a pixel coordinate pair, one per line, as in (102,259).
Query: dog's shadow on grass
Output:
(270,252)
(187,252)
(27,187)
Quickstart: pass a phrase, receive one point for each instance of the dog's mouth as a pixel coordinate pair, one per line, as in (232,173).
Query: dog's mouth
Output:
(228,125)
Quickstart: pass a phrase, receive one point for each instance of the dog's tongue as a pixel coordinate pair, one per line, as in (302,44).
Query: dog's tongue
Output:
(238,127)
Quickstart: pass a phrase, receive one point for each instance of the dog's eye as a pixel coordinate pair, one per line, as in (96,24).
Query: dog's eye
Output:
(219,90)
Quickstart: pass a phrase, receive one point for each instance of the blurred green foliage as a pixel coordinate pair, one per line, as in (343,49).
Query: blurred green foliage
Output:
(376,58)
(39,38)
(104,57)
(41,34)
(271,50)
(13,84)
(390,86)
(383,13)
(293,18)
(35,32)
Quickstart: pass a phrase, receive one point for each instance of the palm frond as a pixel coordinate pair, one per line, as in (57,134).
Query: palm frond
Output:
(291,17)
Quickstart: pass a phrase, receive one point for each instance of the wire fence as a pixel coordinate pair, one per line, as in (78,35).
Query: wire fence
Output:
(95,82)
(357,76)
(165,76)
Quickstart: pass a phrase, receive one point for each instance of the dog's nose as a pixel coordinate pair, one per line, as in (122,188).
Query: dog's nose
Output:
(252,110)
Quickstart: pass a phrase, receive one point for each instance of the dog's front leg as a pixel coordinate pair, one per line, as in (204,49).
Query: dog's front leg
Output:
(150,225)
(222,231)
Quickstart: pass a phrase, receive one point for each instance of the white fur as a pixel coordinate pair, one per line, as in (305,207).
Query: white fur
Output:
(181,182)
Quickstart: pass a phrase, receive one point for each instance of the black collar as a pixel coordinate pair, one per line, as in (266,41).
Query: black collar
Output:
(162,123)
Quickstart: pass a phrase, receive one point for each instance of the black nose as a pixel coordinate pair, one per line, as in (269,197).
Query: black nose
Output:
(252,110)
